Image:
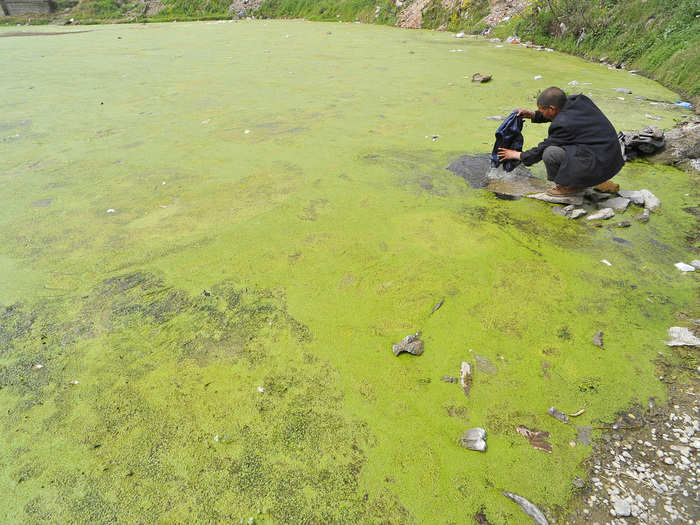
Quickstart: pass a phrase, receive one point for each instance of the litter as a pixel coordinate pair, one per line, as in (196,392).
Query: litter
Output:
(558,415)
(246,131)
(574,83)
(111,210)
(529,508)
(695,263)
(38,366)
(623,90)
(512,40)
(640,143)
(465,378)
(681,336)
(682,104)
(537,438)
(644,216)
(606,262)
(448,379)
(683,267)
(620,98)
(456,50)
(652,117)
(576,414)
(206,121)
(459,35)
(538,77)
(75,382)
(474,439)
(261,389)
(598,339)
(437,306)
(482,79)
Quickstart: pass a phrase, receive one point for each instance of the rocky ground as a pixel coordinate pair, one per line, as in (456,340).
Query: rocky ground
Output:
(645,467)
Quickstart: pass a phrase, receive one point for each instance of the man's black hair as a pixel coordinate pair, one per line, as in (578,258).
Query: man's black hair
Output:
(552,96)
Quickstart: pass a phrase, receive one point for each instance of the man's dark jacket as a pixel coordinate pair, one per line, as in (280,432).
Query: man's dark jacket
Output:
(509,136)
(593,153)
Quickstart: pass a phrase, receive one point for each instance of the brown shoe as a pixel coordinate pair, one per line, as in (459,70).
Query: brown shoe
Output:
(561,191)
(607,187)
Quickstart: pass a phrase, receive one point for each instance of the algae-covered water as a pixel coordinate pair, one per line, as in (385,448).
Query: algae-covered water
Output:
(211,234)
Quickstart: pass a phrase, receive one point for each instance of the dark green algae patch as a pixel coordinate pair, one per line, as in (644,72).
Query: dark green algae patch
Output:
(288,260)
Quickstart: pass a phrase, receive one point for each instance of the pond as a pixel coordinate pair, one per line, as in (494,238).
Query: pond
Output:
(213,233)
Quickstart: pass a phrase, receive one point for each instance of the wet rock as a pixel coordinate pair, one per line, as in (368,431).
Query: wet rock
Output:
(528,507)
(616,203)
(622,224)
(465,378)
(485,365)
(641,143)
(637,197)
(598,339)
(410,344)
(478,77)
(602,214)
(621,506)
(651,201)
(583,435)
(474,439)
(681,336)
(682,145)
(559,199)
(576,213)
(560,210)
(448,379)
(644,216)
(558,415)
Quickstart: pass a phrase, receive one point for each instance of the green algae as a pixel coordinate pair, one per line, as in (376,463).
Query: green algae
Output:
(290,258)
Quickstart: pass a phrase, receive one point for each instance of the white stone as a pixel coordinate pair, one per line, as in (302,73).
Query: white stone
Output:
(651,201)
(603,214)
(622,507)
(681,336)
(683,267)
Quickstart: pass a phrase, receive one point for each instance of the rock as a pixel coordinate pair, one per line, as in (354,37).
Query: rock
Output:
(474,439)
(465,378)
(695,263)
(410,344)
(568,199)
(616,203)
(623,90)
(644,216)
(622,224)
(683,267)
(647,141)
(681,336)
(621,506)
(637,197)
(578,212)
(484,364)
(529,508)
(558,415)
(478,77)
(682,145)
(651,201)
(598,339)
(559,210)
(602,214)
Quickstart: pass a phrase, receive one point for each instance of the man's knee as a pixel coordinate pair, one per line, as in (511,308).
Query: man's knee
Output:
(553,155)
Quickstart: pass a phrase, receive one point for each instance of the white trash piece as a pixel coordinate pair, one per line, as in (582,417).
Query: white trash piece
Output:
(683,267)
(681,336)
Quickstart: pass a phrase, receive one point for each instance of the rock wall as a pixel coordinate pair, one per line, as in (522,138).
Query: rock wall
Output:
(21,7)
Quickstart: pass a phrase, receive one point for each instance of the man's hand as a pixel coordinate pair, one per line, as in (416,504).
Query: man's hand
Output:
(505,154)
(526,113)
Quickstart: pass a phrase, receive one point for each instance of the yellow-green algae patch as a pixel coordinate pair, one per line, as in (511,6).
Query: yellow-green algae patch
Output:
(218,231)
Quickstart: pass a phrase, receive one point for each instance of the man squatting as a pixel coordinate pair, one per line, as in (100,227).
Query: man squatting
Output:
(582,148)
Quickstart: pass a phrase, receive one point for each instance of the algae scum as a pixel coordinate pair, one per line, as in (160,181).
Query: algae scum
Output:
(213,233)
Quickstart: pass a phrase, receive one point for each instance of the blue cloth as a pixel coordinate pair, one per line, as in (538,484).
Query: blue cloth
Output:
(508,136)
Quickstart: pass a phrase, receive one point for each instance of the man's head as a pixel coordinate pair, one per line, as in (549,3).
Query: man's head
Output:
(550,102)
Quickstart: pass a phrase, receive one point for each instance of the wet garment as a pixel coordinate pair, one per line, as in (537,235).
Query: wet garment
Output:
(508,135)
(593,153)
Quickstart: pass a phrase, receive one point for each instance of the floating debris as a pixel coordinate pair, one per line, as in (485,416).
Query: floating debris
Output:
(683,267)
(465,378)
(38,366)
(538,77)
(598,339)
(482,79)
(681,336)
(558,415)
(437,306)
(246,131)
(474,439)
(459,35)
(529,508)
(111,210)
(75,382)
(537,438)
(410,344)
(448,379)
(206,121)
(606,262)
(576,414)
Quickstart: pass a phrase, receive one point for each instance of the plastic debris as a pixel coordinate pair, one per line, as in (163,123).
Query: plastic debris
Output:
(206,121)
(578,413)
(605,213)
(529,508)
(681,336)
(465,377)
(652,117)
(459,35)
(574,83)
(537,438)
(474,439)
(683,267)
(75,382)
(639,143)
(111,210)
(437,306)
(623,90)
(558,415)
(606,262)
(410,344)
(538,77)
(246,131)
(598,339)
(261,389)
(495,117)
(512,40)
(682,104)
(38,366)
